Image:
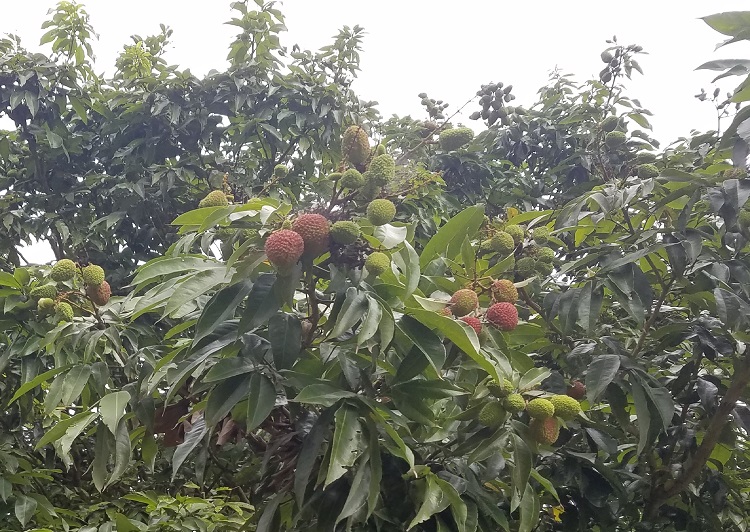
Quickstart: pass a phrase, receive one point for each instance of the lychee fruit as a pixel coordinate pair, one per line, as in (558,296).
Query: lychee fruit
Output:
(377,263)
(381,211)
(215,198)
(566,407)
(100,293)
(577,390)
(504,291)
(474,323)
(540,408)
(545,431)
(492,414)
(355,146)
(463,302)
(504,316)
(345,232)
(93,274)
(314,230)
(63,270)
(284,248)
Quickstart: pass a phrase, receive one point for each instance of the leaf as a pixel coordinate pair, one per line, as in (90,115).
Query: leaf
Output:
(122,452)
(260,401)
(225,396)
(533,377)
(36,381)
(601,372)
(309,453)
(322,394)
(732,23)
(433,501)
(285,335)
(346,445)
(112,408)
(521,466)
(220,308)
(358,492)
(371,322)
(25,508)
(354,307)
(192,438)
(449,238)
(7,279)
(75,380)
(262,303)
(57,432)
(643,415)
(189,290)
(424,340)
(229,367)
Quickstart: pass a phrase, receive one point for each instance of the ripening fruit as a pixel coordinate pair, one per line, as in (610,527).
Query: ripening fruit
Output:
(280,170)
(492,414)
(382,169)
(545,431)
(541,235)
(474,323)
(99,294)
(381,211)
(44,291)
(63,270)
(544,269)
(516,231)
(93,274)
(215,198)
(380,149)
(463,302)
(314,230)
(284,248)
(615,139)
(514,403)
(545,255)
(501,390)
(610,123)
(566,407)
(345,232)
(540,408)
(577,390)
(526,267)
(502,243)
(45,304)
(355,146)
(64,311)
(504,316)
(647,171)
(453,139)
(504,291)
(352,178)
(377,263)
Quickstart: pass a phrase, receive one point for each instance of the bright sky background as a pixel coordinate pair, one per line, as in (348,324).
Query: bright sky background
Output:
(447,49)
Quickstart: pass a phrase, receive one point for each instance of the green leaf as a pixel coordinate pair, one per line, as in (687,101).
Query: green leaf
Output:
(371,322)
(7,279)
(36,381)
(25,508)
(308,454)
(358,491)
(643,415)
(285,335)
(260,401)
(322,394)
(433,501)
(601,372)
(262,303)
(192,438)
(224,396)
(75,381)
(449,238)
(229,367)
(346,445)
(189,290)
(354,307)
(521,465)
(424,340)
(122,452)
(112,408)
(220,308)
(732,23)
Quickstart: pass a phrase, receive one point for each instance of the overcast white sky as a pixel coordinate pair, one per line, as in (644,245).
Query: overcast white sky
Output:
(447,49)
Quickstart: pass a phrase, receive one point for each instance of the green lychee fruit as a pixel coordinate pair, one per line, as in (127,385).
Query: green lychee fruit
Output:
(544,269)
(545,255)
(380,149)
(352,179)
(514,403)
(644,157)
(382,169)
(377,263)
(314,230)
(463,302)
(215,198)
(545,431)
(610,123)
(504,291)
(501,389)
(516,231)
(502,243)
(526,267)
(566,407)
(615,139)
(492,414)
(280,170)
(647,171)
(381,211)
(63,270)
(355,146)
(541,235)
(345,232)
(453,139)
(45,304)
(44,291)
(540,408)
(93,274)
(64,311)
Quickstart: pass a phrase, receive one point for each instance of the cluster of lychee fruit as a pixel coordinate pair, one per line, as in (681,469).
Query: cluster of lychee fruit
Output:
(502,314)
(545,413)
(532,254)
(52,301)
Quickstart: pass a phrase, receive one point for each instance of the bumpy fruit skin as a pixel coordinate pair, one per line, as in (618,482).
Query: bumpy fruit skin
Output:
(544,269)
(502,243)
(381,211)
(446,311)
(284,248)
(215,198)
(540,408)
(576,390)
(280,170)
(504,316)
(504,291)
(45,304)
(541,235)
(644,157)
(501,390)
(526,267)
(64,311)
(352,179)
(610,123)
(463,302)
(647,171)
(44,291)
(377,263)
(545,255)
(99,294)
(545,431)
(380,149)
(514,403)
(314,230)
(453,139)
(517,232)
(382,169)
(345,232)
(615,139)
(474,323)
(566,407)
(93,274)
(492,414)
(63,270)
(355,146)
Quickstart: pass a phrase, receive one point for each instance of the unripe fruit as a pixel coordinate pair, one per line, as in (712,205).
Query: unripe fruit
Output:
(540,408)
(647,171)
(382,170)
(377,263)
(502,243)
(503,389)
(615,139)
(504,291)
(99,294)
(280,170)
(517,232)
(474,323)
(541,235)
(345,232)
(514,403)
(577,390)
(566,407)
(93,275)
(610,123)
(215,198)
(545,255)
(352,178)
(644,157)
(463,302)
(355,146)
(504,316)
(545,431)
(63,270)
(381,211)
(492,414)
(314,230)
(526,267)
(64,311)
(44,291)
(284,248)
(544,269)
(380,149)
(453,139)
(45,304)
